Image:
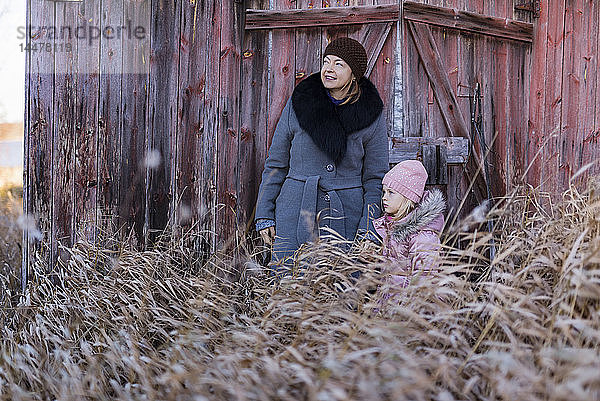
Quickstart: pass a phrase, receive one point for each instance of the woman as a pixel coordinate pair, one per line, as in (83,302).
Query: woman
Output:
(327,158)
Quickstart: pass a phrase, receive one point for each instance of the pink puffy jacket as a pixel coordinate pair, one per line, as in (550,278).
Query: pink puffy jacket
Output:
(413,242)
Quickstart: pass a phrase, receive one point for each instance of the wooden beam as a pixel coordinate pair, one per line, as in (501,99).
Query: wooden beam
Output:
(436,72)
(442,89)
(373,40)
(411,147)
(278,19)
(468,21)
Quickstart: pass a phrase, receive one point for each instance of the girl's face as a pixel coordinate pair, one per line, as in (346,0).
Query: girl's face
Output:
(335,73)
(392,201)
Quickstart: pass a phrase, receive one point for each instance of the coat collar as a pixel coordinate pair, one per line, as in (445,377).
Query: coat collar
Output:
(424,216)
(329,125)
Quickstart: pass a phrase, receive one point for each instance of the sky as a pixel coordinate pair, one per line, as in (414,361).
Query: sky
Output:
(12,61)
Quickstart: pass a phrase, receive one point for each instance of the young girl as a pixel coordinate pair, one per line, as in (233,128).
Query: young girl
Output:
(411,224)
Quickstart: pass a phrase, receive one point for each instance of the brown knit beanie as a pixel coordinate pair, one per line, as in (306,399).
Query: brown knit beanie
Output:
(352,52)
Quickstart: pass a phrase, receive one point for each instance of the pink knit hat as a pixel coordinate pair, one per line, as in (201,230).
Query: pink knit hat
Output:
(408,178)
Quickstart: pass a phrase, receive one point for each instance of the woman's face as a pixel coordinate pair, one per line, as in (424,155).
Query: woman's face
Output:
(391,200)
(335,73)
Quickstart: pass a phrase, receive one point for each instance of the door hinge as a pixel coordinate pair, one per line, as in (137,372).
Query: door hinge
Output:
(532,6)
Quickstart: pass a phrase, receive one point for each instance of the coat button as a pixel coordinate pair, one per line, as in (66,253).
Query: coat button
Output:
(329,167)
(327,198)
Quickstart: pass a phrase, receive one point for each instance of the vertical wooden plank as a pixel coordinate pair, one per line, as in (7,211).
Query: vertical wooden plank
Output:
(190,131)
(435,123)
(553,94)
(449,50)
(41,133)
(519,81)
(466,80)
(281,80)
(437,127)
(574,82)
(86,127)
(430,163)
(477,6)
(466,72)
(524,121)
(164,70)
(24,272)
(399,126)
(308,45)
(416,87)
(520,15)
(489,7)
(455,190)
(592,110)
(64,122)
(228,129)
(496,96)
(537,110)
(357,31)
(516,122)
(253,114)
(132,194)
(384,70)
(109,125)
(208,178)
(333,32)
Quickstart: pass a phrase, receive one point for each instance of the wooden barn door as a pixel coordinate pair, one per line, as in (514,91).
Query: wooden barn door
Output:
(452,54)
(426,60)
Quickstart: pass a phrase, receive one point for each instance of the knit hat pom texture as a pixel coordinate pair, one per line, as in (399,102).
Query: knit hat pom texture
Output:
(407,178)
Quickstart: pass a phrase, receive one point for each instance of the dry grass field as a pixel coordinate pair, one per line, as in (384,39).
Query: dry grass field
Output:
(163,325)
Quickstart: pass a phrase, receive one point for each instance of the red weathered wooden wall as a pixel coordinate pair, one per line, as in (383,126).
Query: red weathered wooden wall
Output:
(502,67)
(202,97)
(564,122)
(399,74)
(127,137)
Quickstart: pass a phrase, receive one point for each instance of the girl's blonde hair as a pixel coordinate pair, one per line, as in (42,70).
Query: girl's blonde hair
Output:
(353,91)
(406,206)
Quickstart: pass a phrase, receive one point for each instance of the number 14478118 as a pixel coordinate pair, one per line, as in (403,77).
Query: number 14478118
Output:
(46,47)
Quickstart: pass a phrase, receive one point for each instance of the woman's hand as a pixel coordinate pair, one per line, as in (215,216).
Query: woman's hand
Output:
(268,235)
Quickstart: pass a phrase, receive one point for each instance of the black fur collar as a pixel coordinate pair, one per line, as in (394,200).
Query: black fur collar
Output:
(329,125)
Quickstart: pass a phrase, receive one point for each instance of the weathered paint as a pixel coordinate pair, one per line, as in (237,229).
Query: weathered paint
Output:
(253,124)
(208,96)
(110,114)
(85,171)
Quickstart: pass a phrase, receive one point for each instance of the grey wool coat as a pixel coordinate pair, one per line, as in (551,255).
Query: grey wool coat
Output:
(324,166)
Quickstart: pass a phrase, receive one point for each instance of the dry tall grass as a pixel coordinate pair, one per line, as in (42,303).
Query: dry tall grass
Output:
(160,325)
(11,205)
